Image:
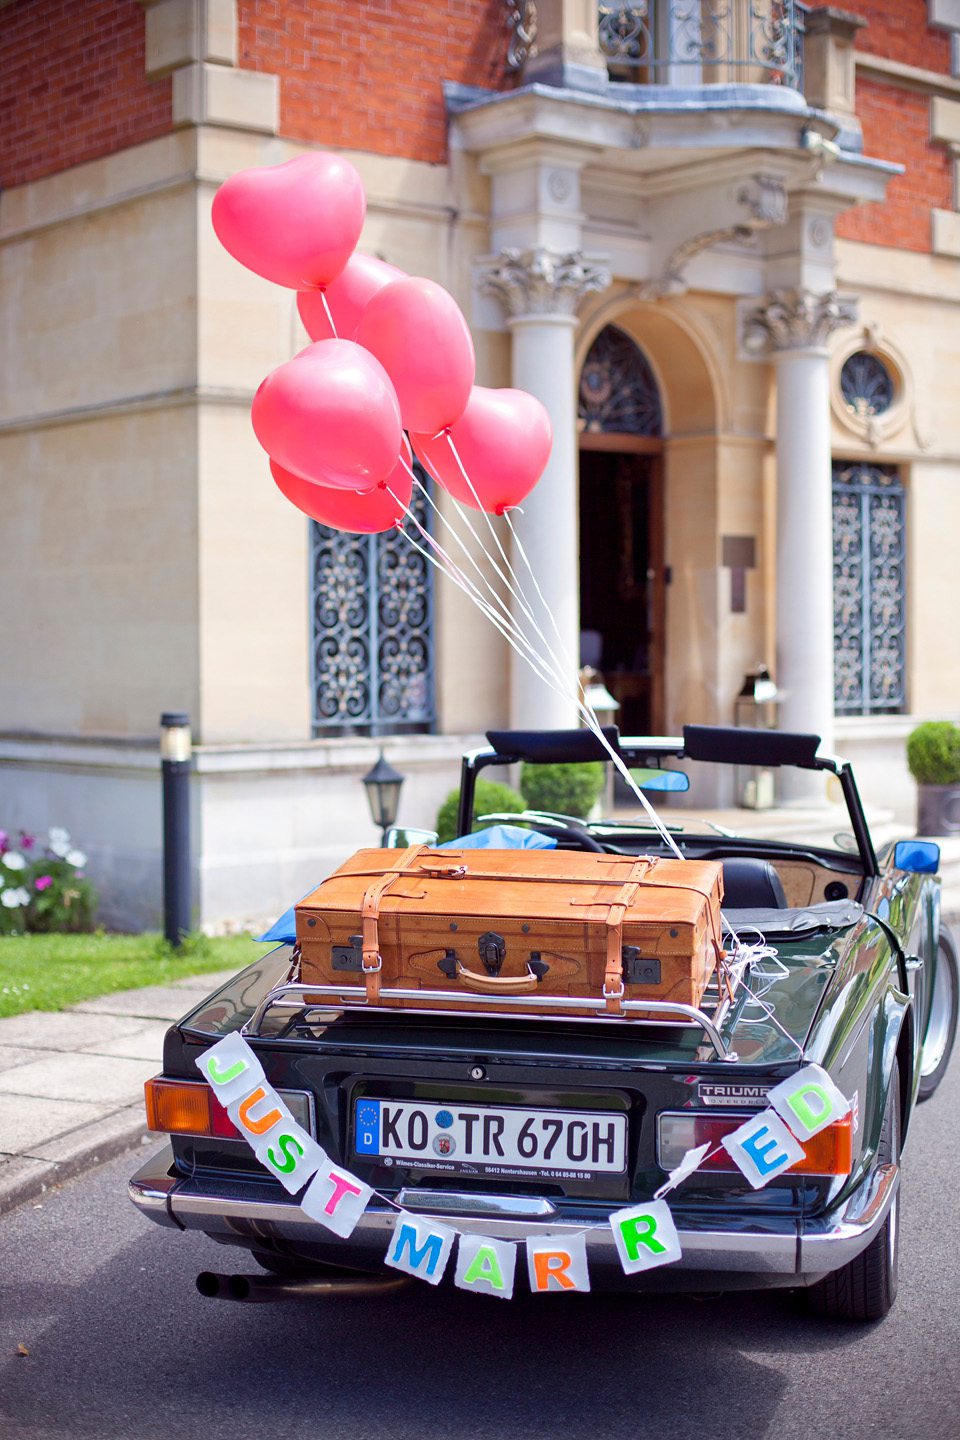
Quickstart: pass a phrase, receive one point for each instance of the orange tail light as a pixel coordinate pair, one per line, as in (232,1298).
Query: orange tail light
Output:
(186,1107)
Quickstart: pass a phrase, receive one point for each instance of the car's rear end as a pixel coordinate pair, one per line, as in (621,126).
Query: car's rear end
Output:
(509,1127)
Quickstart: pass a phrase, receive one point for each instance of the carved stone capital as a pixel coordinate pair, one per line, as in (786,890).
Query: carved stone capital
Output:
(542,281)
(796,320)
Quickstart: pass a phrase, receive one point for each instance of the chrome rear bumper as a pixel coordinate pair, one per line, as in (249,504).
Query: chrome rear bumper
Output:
(251,1210)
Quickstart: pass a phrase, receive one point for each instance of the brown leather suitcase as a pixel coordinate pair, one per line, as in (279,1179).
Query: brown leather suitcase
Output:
(410,928)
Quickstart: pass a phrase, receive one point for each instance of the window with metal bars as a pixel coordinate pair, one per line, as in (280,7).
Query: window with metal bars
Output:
(869,589)
(373,634)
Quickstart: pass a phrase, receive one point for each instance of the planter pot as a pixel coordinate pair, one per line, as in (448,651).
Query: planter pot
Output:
(938,809)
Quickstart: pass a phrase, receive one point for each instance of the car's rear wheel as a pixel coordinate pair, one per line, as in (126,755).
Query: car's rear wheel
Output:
(866,1288)
(942,1024)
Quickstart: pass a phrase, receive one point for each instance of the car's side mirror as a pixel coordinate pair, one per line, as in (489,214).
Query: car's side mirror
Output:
(920,857)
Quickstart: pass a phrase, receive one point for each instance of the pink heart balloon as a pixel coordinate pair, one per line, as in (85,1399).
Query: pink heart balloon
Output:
(365,513)
(331,415)
(503,439)
(418,333)
(296,223)
(347,297)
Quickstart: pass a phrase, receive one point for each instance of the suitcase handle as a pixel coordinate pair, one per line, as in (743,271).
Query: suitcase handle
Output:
(497,984)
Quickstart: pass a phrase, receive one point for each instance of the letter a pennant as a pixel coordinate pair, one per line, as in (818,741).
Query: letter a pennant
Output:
(486,1265)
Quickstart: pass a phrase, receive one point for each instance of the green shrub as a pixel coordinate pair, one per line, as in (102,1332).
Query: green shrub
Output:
(488,798)
(563,789)
(933,753)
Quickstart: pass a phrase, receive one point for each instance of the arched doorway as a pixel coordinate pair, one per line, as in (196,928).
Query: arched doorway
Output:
(622,572)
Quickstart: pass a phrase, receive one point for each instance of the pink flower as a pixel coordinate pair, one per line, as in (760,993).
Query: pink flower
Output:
(44,882)
(27,842)
(4,837)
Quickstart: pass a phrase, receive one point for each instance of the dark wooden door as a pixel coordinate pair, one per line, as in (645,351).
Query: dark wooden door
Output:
(622,573)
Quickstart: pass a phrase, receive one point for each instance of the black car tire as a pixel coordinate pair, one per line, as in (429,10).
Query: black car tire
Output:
(866,1288)
(942,1024)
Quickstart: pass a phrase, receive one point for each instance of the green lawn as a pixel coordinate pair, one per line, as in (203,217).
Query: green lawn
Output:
(48,972)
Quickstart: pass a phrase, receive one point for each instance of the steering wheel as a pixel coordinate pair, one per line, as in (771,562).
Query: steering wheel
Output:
(559,827)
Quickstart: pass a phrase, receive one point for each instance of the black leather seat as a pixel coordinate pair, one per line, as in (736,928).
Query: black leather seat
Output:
(750,884)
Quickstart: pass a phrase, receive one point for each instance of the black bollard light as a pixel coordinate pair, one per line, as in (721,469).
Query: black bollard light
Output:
(175,750)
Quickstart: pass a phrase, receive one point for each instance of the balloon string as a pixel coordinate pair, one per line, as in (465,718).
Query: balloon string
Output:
(538,663)
(505,624)
(470,590)
(585,709)
(326,307)
(473,561)
(515,588)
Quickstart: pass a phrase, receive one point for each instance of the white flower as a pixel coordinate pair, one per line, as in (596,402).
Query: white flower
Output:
(59,836)
(14,860)
(15,898)
(76,858)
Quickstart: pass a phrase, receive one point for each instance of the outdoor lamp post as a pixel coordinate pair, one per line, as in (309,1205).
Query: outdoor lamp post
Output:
(175,751)
(382,785)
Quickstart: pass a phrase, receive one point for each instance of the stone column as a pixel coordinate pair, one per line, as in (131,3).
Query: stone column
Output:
(540,289)
(795,326)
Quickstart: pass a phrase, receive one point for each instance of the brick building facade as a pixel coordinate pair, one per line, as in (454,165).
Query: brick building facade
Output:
(764,259)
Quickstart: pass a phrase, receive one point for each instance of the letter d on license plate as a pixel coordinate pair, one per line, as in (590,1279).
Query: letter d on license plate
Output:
(492,1140)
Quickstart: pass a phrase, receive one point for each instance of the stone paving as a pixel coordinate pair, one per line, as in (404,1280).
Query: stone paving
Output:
(71,1081)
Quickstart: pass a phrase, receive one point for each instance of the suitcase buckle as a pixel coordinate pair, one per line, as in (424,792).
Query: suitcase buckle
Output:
(372,969)
(493,949)
(611,994)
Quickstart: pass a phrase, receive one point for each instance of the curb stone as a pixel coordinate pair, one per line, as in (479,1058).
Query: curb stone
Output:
(24,1177)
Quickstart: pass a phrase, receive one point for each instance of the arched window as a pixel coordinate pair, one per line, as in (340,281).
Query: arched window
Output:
(372,654)
(618,391)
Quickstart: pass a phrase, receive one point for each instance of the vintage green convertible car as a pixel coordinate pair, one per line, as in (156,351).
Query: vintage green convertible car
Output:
(847,967)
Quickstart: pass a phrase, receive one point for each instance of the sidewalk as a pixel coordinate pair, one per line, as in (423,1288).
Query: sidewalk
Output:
(71,1081)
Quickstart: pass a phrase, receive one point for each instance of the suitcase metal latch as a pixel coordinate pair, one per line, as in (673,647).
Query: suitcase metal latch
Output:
(493,949)
(639,969)
(449,964)
(348,957)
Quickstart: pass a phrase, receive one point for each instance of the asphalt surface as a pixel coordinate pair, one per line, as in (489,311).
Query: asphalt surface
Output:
(121,1345)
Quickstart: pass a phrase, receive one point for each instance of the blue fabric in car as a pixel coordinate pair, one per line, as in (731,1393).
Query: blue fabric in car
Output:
(502,837)
(498,837)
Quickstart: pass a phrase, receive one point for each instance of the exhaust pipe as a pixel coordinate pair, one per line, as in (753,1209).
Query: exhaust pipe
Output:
(257,1289)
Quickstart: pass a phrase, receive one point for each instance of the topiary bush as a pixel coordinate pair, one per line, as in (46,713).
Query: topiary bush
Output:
(488,798)
(564,789)
(933,753)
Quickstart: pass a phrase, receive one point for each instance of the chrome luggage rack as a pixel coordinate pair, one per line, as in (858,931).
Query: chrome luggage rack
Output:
(302,1000)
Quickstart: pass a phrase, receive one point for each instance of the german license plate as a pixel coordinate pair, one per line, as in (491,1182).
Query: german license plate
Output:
(492,1140)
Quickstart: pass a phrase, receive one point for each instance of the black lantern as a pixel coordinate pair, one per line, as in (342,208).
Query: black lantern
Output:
(383,793)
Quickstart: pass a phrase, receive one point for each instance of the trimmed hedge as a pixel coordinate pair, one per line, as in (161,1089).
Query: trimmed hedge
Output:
(933,753)
(488,798)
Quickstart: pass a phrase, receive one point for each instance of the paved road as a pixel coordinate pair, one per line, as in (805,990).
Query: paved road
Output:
(121,1345)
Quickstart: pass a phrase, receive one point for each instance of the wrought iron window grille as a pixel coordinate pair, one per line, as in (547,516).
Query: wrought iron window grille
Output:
(869,589)
(618,391)
(373,632)
(866,384)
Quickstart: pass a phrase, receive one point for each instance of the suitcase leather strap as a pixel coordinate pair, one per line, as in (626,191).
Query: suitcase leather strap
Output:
(613,974)
(370,914)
